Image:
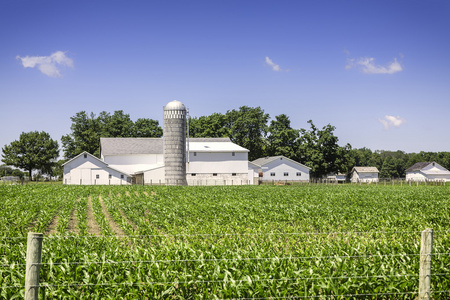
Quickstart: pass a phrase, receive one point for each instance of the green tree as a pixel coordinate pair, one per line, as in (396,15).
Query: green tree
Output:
(88,129)
(248,128)
(214,125)
(85,135)
(319,150)
(282,137)
(146,128)
(389,168)
(33,151)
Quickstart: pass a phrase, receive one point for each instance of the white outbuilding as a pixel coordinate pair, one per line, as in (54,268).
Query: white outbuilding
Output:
(364,174)
(86,169)
(281,168)
(427,171)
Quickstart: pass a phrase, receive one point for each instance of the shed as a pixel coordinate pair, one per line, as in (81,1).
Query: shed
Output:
(364,174)
(281,168)
(427,171)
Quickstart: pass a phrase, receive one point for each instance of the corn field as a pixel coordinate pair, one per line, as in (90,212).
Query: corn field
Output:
(225,242)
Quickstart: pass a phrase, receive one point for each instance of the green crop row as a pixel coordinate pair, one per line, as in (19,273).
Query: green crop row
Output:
(228,242)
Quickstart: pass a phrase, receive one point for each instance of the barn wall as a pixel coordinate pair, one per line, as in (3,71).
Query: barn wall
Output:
(281,166)
(217,162)
(134,163)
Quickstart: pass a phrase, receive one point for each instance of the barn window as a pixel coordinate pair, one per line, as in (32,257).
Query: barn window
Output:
(233,174)
(110,176)
(97,176)
(214,174)
(272,174)
(233,153)
(299,174)
(194,174)
(195,153)
(121,176)
(286,173)
(85,155)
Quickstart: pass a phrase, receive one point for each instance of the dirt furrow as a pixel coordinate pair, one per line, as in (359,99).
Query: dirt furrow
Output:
(93,227)
(51,229)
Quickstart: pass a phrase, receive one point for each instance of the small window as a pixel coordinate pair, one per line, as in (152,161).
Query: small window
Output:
(85,155)
(214,174)
(110,176)
(286,173)
(97,176)
(233,174)
(195,153)
(299,174)
(122,176)
(193,174)
(272,174)
(233,153)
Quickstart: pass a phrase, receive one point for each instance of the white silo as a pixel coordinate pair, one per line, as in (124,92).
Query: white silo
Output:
(175,143)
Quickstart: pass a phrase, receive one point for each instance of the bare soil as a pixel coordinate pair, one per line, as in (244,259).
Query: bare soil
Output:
(51,229)
(93,227)
(73,223)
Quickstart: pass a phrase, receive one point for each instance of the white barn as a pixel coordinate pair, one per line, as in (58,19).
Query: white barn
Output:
(210,161)
(86,169)
(427,171)
(281,168)
(364,174)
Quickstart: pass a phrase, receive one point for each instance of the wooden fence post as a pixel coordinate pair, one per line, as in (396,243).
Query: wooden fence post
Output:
(33,265)
(426,249)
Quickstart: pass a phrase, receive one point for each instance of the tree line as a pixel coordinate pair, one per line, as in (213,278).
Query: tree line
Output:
(249,127)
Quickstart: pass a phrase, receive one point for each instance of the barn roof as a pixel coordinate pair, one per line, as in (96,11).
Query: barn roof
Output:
(418,166)
(366,169)
(120,146)
(124,146)
(268,159)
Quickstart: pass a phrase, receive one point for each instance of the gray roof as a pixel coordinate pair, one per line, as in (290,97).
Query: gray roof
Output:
(209,140)
(119,146)
(265,160)
(418,166)
(366,169)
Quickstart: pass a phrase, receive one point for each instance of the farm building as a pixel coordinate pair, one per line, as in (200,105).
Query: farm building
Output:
(364,174)
(337,177)
(170,160)
(86,169)
(427,171)
(281,168)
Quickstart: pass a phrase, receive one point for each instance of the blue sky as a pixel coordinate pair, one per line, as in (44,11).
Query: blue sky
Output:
(379,71)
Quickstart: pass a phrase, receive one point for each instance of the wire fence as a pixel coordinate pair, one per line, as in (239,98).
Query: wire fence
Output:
(246,280)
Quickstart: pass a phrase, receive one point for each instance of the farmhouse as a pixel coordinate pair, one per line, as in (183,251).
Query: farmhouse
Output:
(170,160)
(364,174)
(427,171)
(281,168)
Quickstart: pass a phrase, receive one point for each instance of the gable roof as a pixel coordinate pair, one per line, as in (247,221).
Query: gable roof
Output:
(97,159)
(418,166)
(120,146)
(268,159)
(365,169)
(436,169)
(126,146)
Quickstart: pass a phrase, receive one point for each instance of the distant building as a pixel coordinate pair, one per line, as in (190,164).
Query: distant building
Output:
(427,171)
(364,174)
(337,177)
(281,168)
(170,160)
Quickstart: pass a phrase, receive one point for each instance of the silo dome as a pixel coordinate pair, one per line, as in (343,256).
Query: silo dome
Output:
(175,105)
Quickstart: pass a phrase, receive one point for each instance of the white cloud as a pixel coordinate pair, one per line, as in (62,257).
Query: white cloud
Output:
(274,66)
(392,121)
(47,64)
(368,66)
